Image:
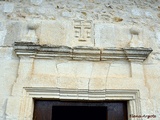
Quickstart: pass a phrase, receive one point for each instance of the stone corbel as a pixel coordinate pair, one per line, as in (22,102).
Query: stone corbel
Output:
(137,54)
(31,35)
(34,50)
(135,37)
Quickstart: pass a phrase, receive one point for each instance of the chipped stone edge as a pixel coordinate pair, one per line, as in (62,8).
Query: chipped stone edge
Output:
(33,50)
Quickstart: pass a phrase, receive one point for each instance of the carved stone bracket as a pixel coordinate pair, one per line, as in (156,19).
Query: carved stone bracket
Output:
(80,53)
(137,54)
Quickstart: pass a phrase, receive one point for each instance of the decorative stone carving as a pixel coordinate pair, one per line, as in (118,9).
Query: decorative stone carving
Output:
(82,30)
(80,53)
(32,50)
(135,40)
(55,51)
(31,36)
(130,95)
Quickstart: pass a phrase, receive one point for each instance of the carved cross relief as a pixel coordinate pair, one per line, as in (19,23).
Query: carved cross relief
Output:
(82,30)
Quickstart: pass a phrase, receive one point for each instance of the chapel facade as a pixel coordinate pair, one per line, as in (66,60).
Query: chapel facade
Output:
(94,58)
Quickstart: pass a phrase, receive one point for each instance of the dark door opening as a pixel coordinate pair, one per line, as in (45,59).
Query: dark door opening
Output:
(79,113)
(76,110)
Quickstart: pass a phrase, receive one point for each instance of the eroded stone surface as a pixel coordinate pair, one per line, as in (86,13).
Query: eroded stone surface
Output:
(108,26)
(8,7)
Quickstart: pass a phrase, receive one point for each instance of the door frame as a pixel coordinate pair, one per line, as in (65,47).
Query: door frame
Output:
(30,93)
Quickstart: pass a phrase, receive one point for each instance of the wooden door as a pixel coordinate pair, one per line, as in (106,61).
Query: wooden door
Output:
(86,110)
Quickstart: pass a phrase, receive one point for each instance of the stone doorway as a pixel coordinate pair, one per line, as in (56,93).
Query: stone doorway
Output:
(80,110)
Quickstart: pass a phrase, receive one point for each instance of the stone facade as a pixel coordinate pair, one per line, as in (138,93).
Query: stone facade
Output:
(79,50)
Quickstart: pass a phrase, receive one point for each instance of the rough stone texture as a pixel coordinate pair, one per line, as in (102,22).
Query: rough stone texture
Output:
(108,26)
(36,2)
(8,7)
(14,32)
(8,73)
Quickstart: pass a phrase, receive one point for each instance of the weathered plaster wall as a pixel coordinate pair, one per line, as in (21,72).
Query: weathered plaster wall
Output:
(112,23)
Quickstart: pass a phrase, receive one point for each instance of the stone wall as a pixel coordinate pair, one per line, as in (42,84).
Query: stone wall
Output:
(92,24)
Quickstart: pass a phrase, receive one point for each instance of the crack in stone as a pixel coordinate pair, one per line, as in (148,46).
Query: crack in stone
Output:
(90,76)
(107,75)
(57,77)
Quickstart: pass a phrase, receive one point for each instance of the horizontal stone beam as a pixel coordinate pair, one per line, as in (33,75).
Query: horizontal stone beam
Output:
(80,53)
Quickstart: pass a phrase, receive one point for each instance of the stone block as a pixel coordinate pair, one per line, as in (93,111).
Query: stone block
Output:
(119,70)
(75,69)
(152,71)
(68,14)
(13,107)
(100,70)
(66,69)
(17,88)
(119,83)
(149,106)
(83,83)
(44,67)
(26,113)
(3,101)
(105,35)
(30,10)
(47,80)
(83,69)
(2,37)
(55,33)
(136,12)
(15,32)
(158,37)
(137,70)
(111,35)
(36,2)
(25,70)
(83,33)
(8,73)
(2,25)
(67,82)
(122,36)
(8,7)
(149,14)
(6,53)
(97,83)
(3,32)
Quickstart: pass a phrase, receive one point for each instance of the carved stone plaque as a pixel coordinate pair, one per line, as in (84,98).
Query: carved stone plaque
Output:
(82,30)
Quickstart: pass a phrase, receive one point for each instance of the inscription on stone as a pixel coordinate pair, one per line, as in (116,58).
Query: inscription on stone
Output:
(82,30)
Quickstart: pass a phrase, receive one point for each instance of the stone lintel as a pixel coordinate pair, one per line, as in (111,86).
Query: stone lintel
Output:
(86,53)
(81,52)
(112,53)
